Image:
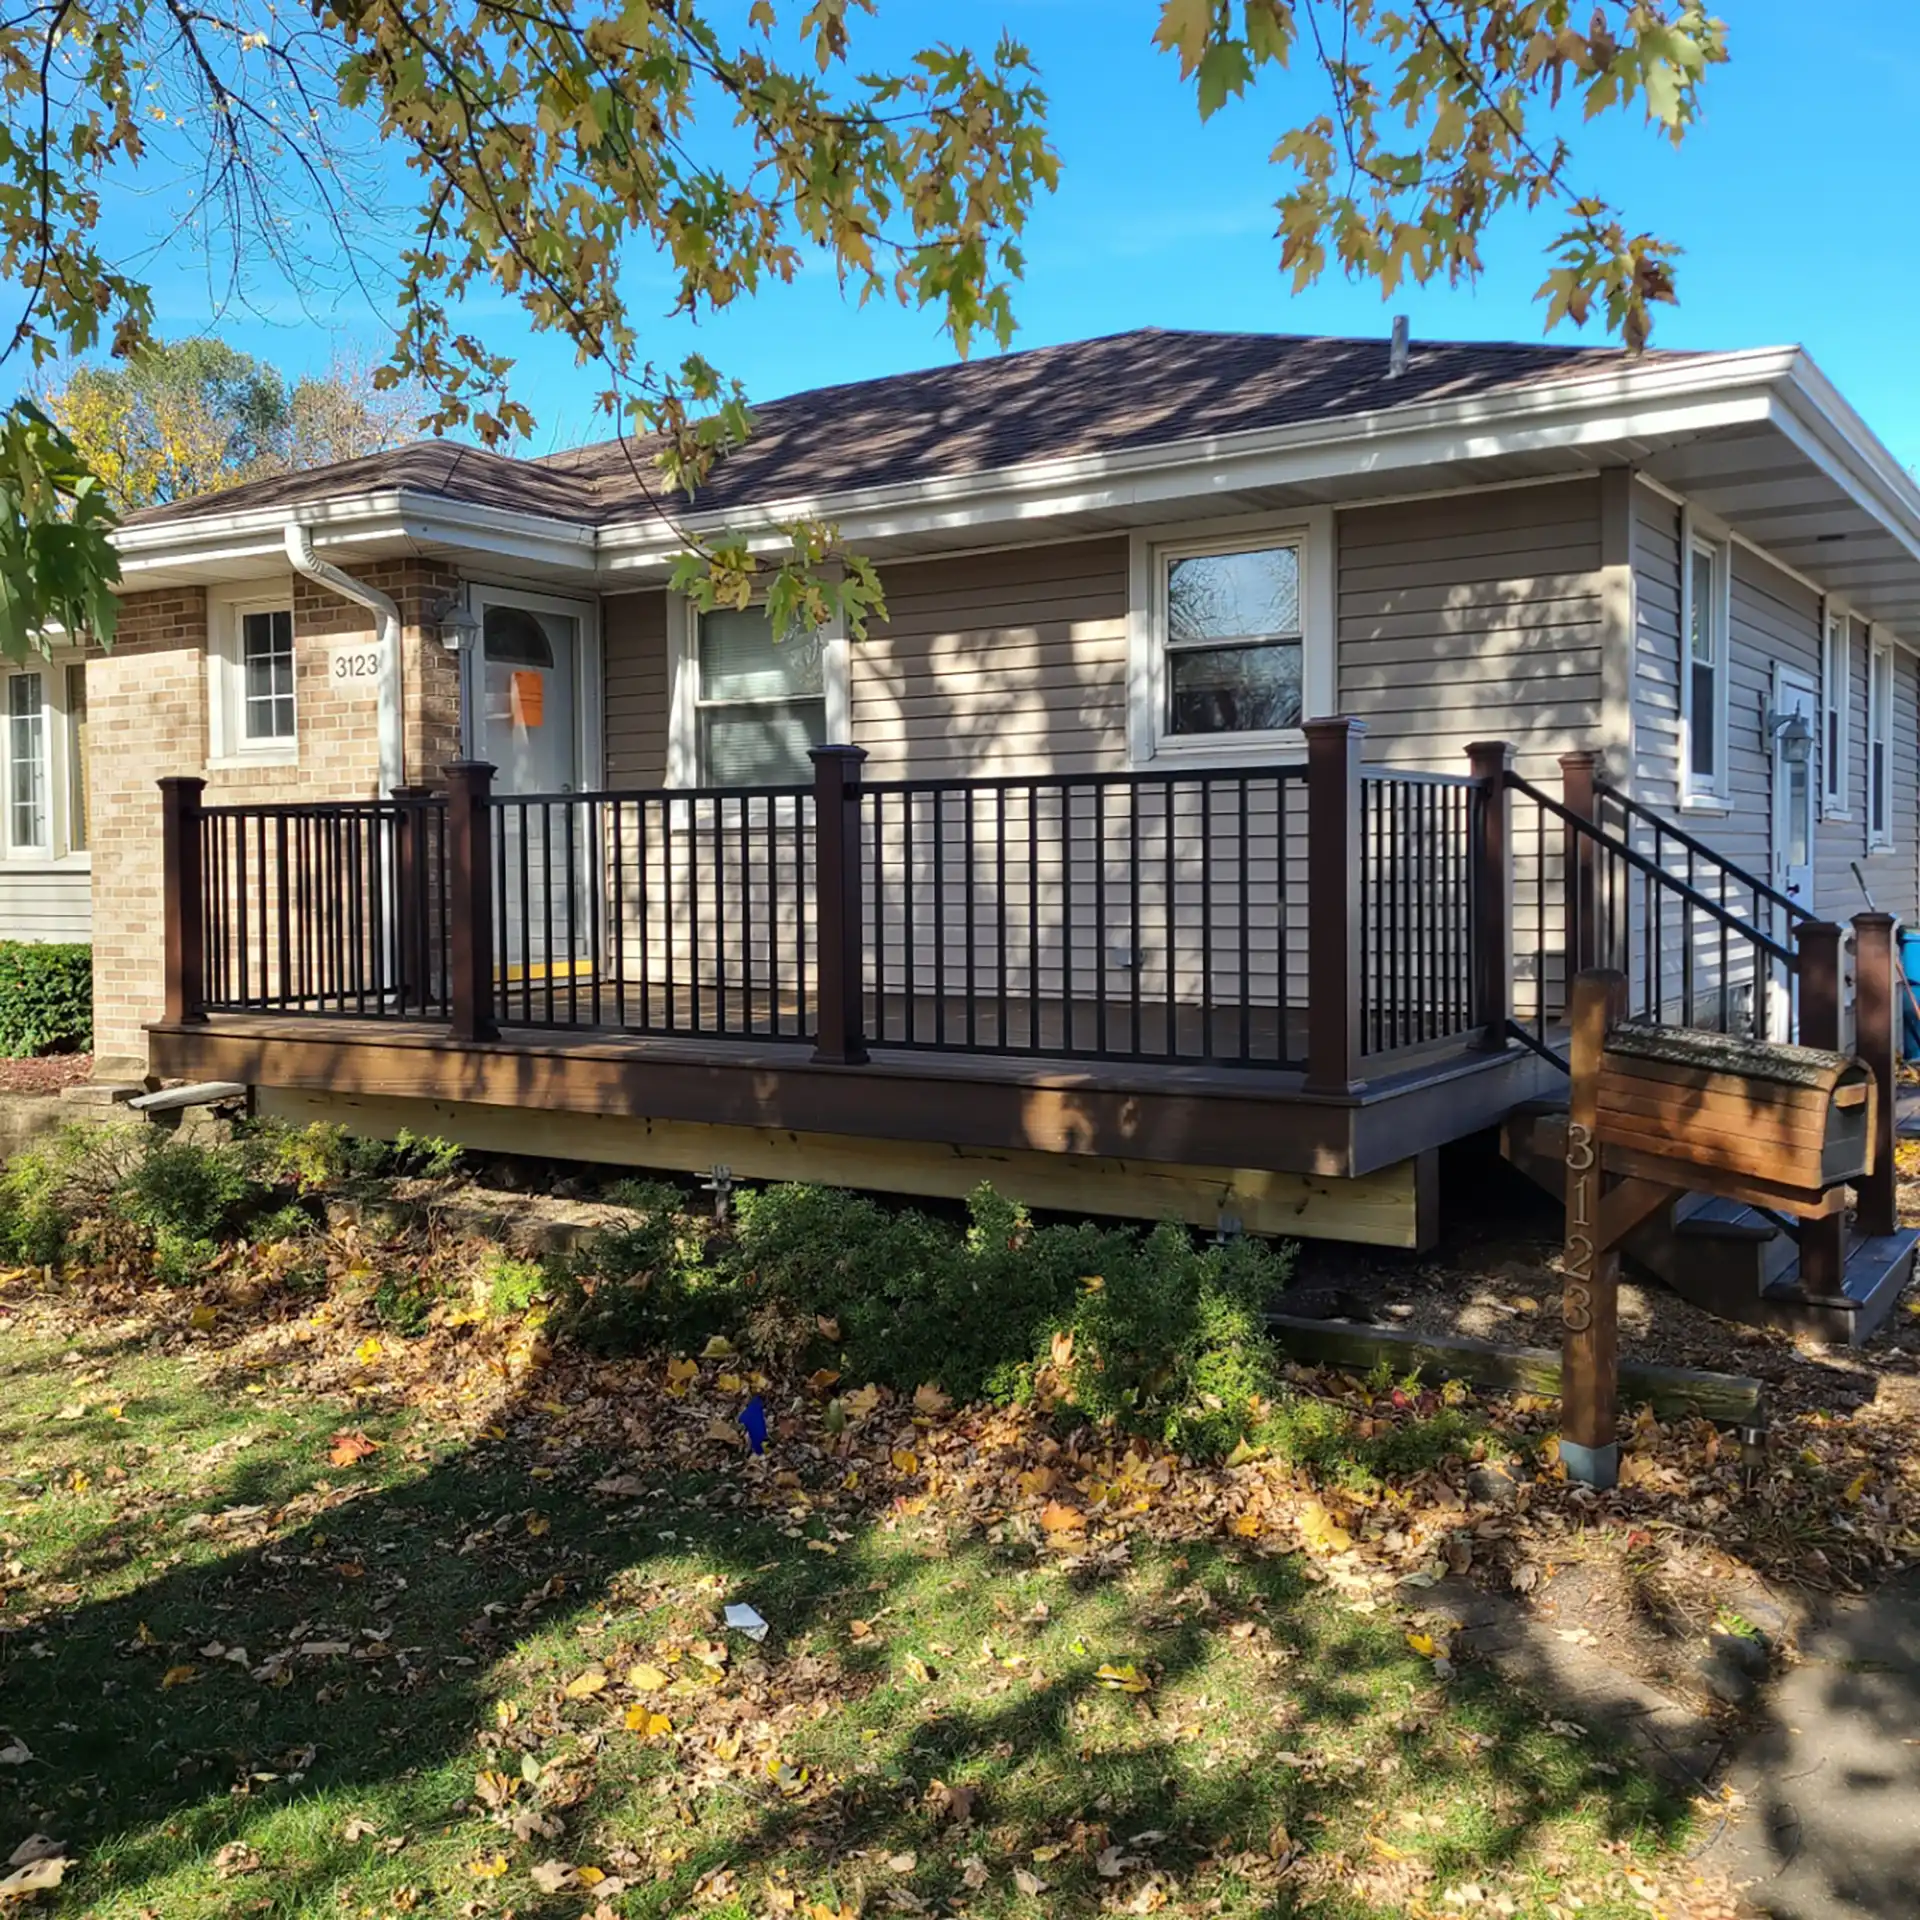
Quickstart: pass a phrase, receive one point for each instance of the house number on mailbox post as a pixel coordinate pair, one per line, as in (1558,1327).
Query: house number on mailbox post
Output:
(1576,1299)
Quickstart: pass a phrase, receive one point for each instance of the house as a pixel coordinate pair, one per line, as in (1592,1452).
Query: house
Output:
(1261,728)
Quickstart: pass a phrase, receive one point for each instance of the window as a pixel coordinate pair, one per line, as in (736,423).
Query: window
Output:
(1879,744)
(250,665)
(760,702)
(266,666)
(1836,694)
(29,809)
(1234,641)
(1703,679)
(79,808)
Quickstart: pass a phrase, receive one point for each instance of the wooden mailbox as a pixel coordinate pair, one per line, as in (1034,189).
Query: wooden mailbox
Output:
(1773,1125)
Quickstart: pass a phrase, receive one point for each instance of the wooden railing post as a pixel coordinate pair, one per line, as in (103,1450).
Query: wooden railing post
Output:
(470,995)
(1875,1040)
(840,1019)
(1579,777)
(1823,1242)
(1334,880)
(1490,882)
(183,900)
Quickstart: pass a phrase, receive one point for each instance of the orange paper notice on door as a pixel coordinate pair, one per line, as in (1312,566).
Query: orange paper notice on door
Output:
(528,699)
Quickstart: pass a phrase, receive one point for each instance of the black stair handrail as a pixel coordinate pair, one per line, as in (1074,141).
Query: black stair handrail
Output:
(1631,856)
(1681,949)
(1664,829)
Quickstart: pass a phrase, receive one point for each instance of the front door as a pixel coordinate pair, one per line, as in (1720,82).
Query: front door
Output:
(1796,729)
(524,693)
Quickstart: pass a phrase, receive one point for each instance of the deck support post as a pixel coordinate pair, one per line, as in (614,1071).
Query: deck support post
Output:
(412,929)
(470,997)
(840,1024)
(1590,1263)
(1875,1040)
(183,896)
(1491,899)
(1823,1242)
(1334,865)
(1579,781)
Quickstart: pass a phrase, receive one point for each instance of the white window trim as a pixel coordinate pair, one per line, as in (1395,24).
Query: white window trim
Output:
(1697,794)
(1836,706)
(683,691)
(227,744)
(589,747)
(1148,552)
(1880,836)
(58,853)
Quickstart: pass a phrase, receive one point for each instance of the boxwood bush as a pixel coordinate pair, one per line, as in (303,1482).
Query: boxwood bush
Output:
(46,998)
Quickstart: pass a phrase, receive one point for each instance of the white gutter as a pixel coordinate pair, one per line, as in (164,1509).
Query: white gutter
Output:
(386,628)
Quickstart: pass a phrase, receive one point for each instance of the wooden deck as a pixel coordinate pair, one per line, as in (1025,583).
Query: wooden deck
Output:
(1253,1140)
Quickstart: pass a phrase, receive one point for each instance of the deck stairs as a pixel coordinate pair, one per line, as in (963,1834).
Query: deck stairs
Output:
(1739,1262)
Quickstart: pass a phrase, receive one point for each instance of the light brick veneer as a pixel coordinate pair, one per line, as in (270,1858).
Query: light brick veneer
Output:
(147,706)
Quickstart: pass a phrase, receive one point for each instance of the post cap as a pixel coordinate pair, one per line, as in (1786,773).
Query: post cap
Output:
(1334,724)
(182,783)
(852,756)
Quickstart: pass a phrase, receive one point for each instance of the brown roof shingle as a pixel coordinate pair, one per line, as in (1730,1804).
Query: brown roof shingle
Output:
(1122,392)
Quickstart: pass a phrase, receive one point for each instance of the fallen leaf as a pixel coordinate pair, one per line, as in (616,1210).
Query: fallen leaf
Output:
(718,1348)
(1029,1883)
(905,1460)
(646,1679)
(1423,1644)
(359,1829)
(1128,1678)
(1057,1517)
(16,1753)
(203,1318)
(179,1676)
(487,1866)
(584,1685)
(348,1449)
(234,1859)
(550,1876)
(928,1399)
(644,1721)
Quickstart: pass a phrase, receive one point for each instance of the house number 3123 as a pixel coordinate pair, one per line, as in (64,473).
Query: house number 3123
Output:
(1576,1299)
(357,663)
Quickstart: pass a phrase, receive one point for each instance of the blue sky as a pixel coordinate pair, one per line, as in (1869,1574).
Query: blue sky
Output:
(1798,204)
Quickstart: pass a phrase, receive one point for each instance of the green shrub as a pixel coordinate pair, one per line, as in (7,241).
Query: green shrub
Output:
(49,1189)
(186,1195)
(322,1157)
(647,1284)
(46,998)
(402,1304)
(513,1286)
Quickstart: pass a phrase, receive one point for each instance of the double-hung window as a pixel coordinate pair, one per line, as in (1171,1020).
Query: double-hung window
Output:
(29,786)
(760,699)
(251,660)
(1703,676)
(1235,640)
(1836,696)
(1879,743)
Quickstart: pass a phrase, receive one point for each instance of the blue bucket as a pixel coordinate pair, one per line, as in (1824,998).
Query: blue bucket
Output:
(1909,1017)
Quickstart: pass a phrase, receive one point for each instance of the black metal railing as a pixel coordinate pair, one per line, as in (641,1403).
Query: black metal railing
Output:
(1589,897)
(1417,836)
(1140,916)
(688,912)
(336,907)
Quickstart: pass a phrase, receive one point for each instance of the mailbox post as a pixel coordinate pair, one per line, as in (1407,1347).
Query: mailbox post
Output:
(1655,1112)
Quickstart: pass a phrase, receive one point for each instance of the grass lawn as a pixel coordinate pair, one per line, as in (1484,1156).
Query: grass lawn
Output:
(482,1669)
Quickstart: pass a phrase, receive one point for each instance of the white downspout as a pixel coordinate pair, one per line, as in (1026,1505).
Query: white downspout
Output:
(386,628)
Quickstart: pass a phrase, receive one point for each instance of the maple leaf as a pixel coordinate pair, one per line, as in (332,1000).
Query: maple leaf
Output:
(905,1460)
(584,1685)
(928,1399)
(1127,1678)
(550,1876)
(647,1723)
(1057,1517)
(180,1676)
(646,1679)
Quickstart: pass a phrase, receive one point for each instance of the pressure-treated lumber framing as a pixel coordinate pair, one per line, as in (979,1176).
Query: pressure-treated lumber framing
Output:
(1395,1207)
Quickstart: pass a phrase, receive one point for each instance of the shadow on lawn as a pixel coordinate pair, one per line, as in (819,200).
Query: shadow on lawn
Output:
(144,1780)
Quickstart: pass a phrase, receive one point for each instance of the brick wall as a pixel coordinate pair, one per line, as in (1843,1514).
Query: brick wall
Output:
(148,708)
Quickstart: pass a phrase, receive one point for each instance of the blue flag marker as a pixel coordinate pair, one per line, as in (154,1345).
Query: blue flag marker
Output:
(754,1418)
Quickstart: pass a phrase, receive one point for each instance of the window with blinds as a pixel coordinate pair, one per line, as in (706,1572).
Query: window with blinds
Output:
(761,700)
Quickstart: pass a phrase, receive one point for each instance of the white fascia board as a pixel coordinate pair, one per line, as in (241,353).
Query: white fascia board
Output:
(1590,410)
(1811,413)
(394,516)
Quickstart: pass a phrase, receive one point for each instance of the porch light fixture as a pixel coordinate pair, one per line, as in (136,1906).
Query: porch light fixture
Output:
(1795,734)
(456,624)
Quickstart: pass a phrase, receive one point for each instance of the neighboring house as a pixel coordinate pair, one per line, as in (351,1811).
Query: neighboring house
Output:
(45,875)
(1122,575)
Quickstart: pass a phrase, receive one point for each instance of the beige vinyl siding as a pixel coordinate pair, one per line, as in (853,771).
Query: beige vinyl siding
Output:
(1479,617)
(41,904)
(1473,617)
(633,640)
(997,663)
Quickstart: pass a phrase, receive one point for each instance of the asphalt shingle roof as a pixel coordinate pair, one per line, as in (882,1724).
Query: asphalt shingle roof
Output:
(1123,392)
